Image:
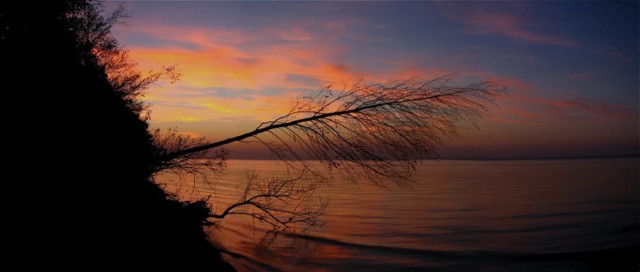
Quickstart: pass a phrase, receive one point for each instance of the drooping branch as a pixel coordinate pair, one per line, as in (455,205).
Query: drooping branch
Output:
(365,132)
(279,202)
(380,130)
(274,125)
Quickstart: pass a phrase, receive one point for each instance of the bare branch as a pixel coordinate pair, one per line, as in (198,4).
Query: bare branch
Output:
(373,132)
(280,202)
(379,130)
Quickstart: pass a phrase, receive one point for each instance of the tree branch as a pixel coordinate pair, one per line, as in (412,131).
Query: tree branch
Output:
(436,94)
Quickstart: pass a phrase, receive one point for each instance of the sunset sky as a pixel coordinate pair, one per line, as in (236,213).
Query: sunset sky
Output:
(571,68)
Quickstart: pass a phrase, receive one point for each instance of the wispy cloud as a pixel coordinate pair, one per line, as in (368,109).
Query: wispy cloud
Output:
(615,54)
(230,66)
(245,64)
(580,76)
(513,84)
(501,22)
(222,70)
(526,109)
(590,108)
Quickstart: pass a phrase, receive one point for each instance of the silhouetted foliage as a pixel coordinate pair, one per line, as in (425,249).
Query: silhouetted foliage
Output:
(198,163)
(95,207)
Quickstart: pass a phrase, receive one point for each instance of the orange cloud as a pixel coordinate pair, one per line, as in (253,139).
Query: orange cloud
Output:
(225,80)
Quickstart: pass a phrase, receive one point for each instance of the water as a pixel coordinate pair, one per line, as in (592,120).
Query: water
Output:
(534,215)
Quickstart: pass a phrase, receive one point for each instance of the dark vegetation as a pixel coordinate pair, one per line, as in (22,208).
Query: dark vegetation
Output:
(80,132)
(81,156)
(87,154)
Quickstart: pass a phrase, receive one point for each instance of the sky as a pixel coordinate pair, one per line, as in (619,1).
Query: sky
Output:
(571,69)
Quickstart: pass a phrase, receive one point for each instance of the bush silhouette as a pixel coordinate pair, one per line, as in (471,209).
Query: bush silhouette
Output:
(88,153)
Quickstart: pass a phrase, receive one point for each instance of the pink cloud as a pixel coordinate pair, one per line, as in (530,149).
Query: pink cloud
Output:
(595,108)
(580,76)
(312,29)
(529,109)
(615,54)
(500,22)
(513,84)
(223,53)
(242,63)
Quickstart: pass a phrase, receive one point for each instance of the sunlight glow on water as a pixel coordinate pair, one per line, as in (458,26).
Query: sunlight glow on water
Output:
(459,214)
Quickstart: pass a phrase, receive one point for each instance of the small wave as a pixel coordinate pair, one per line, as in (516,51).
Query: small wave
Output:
(370,256)
(567,214)
(247,263)
(386,249)
(611,255)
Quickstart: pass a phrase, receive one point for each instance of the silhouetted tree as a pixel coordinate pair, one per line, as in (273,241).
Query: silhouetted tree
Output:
(379,132)
(85,198)
(374,132)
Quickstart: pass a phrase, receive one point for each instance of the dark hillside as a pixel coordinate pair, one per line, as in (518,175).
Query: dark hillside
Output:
(89,156)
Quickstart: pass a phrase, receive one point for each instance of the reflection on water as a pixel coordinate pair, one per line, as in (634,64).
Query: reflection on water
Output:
(554,215)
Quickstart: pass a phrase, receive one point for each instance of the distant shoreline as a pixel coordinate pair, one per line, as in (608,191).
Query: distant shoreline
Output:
(487,159)
(541,158)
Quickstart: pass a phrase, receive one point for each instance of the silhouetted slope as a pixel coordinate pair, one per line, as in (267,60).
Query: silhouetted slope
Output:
(90,157)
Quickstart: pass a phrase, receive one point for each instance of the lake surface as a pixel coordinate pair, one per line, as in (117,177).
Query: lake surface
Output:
(521,215)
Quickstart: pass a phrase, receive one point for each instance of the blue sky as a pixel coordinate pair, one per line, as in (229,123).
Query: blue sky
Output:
(571,68)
